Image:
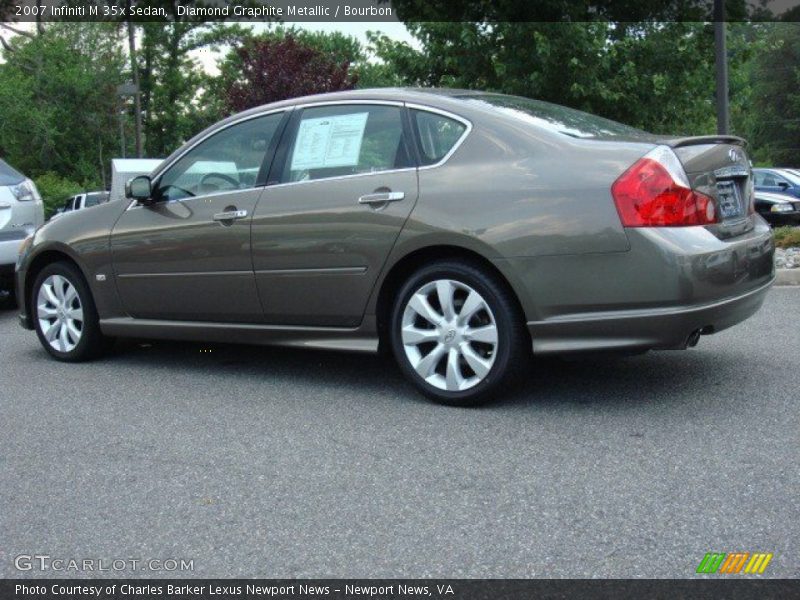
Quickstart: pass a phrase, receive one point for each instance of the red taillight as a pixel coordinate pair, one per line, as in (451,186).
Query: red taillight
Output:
(654,193)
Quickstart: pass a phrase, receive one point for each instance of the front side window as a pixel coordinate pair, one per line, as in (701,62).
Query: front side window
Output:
(334,141)
(437,135)
(229,160)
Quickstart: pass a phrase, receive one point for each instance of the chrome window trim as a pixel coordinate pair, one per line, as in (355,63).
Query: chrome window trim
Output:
(337,177)
(409,105)
(312,104)
(445,113)
(161,169)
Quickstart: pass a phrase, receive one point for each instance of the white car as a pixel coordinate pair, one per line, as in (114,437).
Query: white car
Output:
(21,213)
(81,201)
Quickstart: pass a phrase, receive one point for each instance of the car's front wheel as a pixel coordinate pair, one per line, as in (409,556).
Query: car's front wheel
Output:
(65,315)
(457,334)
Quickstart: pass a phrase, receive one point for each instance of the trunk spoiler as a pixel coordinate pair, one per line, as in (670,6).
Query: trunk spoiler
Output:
(704,139)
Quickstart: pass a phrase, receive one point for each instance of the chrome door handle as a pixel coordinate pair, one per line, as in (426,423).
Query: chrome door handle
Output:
(381,197)
(230,215)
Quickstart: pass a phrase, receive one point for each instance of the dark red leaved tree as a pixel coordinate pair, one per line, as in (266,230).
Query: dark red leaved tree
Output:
(276,69)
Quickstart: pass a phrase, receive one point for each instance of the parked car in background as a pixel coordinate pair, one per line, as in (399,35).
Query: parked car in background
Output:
(81,201)
(21,213)
(777,181)
(459,230)
(778,209)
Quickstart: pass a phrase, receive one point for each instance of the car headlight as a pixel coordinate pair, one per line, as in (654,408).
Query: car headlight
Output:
(24,192)
(783,207)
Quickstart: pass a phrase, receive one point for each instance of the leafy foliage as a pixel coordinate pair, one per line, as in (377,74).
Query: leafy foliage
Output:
(55,189)
(172,80)
(58,103)
(777,95)
(654,76)
(276,69)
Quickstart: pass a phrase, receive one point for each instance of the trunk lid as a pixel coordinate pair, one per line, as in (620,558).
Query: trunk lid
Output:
(718,166)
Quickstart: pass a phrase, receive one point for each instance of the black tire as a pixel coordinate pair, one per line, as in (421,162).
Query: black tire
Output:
(512,349)
(92,343)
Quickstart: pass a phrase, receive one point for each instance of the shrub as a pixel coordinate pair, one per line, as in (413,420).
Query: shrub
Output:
(787,237)
(55,190)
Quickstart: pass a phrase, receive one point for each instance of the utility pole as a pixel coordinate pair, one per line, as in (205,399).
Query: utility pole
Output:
(721,60)
(137,98)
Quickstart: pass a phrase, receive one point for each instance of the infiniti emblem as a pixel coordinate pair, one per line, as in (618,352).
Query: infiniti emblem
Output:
(734,155)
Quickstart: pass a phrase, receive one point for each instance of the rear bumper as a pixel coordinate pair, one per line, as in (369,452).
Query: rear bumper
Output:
(670,284)
(654,329)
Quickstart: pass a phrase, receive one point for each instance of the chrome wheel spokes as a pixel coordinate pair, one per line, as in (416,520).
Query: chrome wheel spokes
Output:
(60,313)
(449,335)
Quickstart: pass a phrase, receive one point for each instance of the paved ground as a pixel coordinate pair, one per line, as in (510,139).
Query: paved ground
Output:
(276,463)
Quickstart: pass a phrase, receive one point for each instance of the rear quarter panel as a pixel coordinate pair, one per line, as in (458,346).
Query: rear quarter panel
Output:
(522,192)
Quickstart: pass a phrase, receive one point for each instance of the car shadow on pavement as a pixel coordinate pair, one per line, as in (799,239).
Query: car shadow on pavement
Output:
(610,379)
(550,382)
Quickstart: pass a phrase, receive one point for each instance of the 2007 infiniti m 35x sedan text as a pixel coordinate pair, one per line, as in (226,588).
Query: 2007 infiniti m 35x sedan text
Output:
(462,230)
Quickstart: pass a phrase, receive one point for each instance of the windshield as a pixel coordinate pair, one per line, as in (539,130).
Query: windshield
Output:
(791,175)
(553,117)
(9,176)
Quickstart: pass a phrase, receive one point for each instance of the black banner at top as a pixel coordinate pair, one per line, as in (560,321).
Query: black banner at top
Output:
(296,11)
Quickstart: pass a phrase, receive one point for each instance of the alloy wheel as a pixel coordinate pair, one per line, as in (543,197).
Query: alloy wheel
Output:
(60,313)
(449,335)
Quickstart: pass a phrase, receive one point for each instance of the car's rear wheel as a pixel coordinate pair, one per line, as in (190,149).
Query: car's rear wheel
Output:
(65,316)
(457,334)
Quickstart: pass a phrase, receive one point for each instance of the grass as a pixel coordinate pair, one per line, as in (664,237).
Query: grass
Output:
(786,237)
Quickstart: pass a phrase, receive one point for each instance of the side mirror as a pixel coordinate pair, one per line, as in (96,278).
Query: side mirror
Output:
(140,189)
(783,185)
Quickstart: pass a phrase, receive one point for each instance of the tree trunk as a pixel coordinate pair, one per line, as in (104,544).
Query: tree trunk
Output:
(137,98)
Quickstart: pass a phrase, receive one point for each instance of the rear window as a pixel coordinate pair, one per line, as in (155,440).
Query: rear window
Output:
(553,117)
(437,135)
(9,176)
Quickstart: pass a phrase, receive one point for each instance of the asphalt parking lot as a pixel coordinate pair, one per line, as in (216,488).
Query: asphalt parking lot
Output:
(267,462)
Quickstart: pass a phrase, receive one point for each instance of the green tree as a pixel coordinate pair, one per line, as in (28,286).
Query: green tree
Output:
(657,76)
(336,48)
(173,80)
(59,110)
(776,95)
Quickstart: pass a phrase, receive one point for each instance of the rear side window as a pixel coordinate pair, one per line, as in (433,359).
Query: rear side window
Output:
(9,176)
(336,141)
(437,135)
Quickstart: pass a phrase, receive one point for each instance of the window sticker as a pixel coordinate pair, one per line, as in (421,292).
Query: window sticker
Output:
(329,142)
